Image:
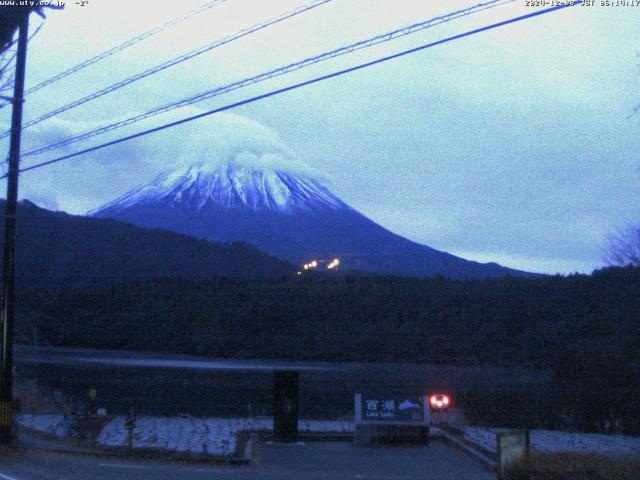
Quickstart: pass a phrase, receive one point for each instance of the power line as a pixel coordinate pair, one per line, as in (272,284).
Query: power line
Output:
(9,82)
(302,84)
(271,74)
(128,43)
(7,62)
(172,62)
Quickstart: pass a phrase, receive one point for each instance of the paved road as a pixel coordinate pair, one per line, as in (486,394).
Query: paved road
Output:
(313,461)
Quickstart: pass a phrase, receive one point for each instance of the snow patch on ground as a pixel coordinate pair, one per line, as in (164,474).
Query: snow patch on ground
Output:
(208,436)
(549,441)
(57,425)
(219,436)
(205,436)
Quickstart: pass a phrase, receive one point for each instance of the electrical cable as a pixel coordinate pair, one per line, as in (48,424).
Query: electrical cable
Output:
(303,84)
(170,63)
(128,43)
(269,75)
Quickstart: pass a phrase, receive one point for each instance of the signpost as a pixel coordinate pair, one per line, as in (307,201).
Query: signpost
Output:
(391,408)
(391,418)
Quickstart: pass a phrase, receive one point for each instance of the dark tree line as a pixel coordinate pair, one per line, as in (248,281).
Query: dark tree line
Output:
(561,322)
(584,327)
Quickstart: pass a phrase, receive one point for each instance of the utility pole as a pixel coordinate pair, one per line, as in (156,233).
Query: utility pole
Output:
(6,366)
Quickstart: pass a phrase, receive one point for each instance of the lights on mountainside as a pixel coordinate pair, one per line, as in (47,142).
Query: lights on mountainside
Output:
(319,264)
(310,265)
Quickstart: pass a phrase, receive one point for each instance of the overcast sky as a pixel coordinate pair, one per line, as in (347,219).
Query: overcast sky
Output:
(514,145)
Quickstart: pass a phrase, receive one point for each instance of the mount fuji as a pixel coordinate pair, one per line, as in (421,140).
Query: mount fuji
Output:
(288,214)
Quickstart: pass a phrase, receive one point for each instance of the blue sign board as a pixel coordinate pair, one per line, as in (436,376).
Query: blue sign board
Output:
(391,409)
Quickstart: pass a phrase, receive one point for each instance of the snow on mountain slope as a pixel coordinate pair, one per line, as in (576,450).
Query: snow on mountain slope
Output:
(234,185)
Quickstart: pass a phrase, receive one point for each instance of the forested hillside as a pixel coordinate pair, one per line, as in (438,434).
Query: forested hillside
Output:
(571,323)
(55,247)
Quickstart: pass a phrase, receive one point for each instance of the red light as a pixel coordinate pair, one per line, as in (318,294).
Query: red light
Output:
(439,401)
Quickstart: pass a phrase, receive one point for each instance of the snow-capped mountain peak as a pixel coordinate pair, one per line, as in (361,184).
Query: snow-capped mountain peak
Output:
(241,182)
(230,186)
